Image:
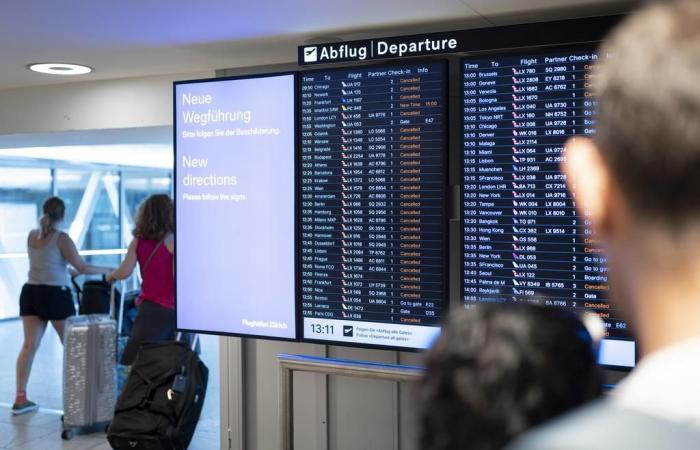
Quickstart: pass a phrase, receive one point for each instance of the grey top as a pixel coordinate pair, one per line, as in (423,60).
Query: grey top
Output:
(607,426)
(47,265)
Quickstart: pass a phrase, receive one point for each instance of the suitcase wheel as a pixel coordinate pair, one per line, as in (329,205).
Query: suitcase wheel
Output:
(67,435)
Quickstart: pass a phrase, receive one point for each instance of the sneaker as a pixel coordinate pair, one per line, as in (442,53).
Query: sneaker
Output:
(24,408)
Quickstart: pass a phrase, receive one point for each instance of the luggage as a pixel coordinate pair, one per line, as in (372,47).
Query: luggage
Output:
(125,308)
(162,400)
(122,370)
(89,361)
(127,311)
(94,297)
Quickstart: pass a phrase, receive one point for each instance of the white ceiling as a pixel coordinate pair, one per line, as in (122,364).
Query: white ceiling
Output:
(130,38)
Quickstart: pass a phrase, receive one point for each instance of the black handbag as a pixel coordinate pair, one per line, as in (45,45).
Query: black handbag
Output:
(162,400)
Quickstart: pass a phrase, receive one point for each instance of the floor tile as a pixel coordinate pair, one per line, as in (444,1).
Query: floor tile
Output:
(15,435)
(35,420)
(54,442)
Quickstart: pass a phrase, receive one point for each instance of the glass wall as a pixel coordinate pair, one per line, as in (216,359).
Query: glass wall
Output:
(139,185)
(22,191)
(101,201)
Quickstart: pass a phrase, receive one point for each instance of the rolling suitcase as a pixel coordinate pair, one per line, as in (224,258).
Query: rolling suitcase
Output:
(162,400)
(89,363)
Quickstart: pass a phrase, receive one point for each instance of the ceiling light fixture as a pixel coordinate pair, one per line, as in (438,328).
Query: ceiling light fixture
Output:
(60,68)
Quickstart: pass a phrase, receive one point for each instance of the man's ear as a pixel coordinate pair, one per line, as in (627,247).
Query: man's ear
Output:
(588,180)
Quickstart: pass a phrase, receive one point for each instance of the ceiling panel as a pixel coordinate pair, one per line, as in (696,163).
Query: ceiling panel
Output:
(507,12)
(132,38)
(135,37)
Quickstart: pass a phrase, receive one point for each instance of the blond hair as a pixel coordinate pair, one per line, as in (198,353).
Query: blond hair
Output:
(54,210)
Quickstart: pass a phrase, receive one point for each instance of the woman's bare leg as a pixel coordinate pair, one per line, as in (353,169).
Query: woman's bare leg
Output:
(59,326)
(34,329)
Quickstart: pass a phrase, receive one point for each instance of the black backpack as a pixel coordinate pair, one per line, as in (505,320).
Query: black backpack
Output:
(162,400)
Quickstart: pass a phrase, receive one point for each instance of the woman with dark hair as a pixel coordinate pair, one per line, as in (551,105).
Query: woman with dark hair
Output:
(498,370)
(46,296)
(152,247)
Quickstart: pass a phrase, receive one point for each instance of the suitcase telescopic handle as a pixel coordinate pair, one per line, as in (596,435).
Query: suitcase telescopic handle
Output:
(78,291)
(75,284)
(120,310)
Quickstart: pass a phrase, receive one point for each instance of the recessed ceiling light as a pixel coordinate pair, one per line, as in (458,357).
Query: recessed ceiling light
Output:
(60,68)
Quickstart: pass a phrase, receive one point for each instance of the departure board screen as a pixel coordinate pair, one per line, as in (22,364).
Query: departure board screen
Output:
(372,188)
(522,238)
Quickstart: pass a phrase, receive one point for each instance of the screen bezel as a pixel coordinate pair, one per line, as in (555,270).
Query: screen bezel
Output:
(446,128)
(295,128)
(539,50)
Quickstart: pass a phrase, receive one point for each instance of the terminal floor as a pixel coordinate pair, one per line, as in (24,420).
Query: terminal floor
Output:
(42,430)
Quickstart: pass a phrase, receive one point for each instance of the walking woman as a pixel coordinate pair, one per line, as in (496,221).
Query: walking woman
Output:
(152,247)
(46,296)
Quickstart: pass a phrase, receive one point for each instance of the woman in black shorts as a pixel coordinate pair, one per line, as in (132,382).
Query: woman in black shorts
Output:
(46,296)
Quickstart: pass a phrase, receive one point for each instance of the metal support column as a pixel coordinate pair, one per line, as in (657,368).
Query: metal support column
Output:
(288,364)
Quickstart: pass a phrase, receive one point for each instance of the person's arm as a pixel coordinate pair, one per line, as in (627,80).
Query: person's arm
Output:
(127,266)
(70,253)
(169,242)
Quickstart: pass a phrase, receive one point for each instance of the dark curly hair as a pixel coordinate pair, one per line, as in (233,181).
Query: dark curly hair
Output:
(154,219)
(498,370)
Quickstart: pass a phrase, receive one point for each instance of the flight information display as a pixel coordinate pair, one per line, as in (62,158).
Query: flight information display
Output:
(234,196)
(522,238)
(372,196)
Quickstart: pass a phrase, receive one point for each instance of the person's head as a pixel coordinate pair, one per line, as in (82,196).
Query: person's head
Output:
(154,219)
(53,212)
(638,181)
(499,369)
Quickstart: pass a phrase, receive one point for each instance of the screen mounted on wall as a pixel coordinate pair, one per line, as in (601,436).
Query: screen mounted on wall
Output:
(234,197)
(372,204)
(522,237)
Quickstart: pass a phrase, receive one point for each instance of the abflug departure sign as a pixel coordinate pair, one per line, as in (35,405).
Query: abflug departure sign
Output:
(375,49)
(570,31)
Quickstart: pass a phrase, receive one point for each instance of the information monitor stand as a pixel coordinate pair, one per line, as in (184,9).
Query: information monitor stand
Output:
(328,366)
